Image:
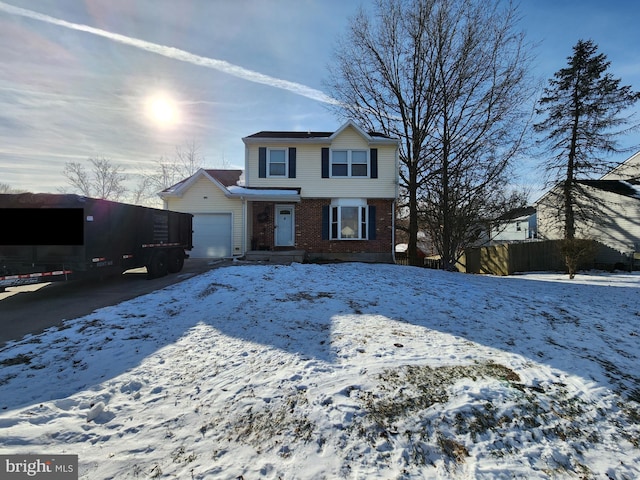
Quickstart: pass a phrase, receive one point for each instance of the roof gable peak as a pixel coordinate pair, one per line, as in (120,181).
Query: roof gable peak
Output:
(219,177)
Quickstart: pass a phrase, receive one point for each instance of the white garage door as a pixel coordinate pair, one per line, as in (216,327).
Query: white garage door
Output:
(211,235)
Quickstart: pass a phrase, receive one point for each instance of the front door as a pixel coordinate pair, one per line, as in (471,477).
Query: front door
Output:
(284,225)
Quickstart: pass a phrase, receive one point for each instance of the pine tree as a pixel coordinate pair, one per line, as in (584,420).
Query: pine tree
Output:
(584,107)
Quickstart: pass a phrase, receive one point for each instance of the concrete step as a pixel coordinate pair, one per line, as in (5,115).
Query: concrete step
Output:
(278,257)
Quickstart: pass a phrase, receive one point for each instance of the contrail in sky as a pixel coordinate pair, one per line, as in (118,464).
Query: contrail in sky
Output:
(178,54)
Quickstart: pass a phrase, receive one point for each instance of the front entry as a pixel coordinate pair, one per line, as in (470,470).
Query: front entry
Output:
(285,222)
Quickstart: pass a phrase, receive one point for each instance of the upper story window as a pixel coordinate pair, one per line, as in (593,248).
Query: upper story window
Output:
(349,163)
(277,162)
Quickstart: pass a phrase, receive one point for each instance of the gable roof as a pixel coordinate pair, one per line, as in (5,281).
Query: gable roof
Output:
(221,178)
(312,137)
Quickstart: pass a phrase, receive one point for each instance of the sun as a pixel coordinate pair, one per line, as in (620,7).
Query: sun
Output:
(162,110)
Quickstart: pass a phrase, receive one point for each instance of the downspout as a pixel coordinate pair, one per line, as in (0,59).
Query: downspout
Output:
(393,231)
(393,207)
(244,226)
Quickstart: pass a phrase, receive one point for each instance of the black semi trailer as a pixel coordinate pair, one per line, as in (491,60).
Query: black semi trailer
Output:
(55,237)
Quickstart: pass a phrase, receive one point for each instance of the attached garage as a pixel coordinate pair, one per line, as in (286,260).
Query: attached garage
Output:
(212,235)
(218,215)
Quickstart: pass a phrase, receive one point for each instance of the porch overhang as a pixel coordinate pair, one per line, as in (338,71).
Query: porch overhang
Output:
(262,194)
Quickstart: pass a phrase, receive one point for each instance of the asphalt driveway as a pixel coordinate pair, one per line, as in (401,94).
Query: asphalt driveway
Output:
(34,308)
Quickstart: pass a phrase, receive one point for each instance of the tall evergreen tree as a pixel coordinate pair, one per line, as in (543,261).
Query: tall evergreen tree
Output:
(584,108)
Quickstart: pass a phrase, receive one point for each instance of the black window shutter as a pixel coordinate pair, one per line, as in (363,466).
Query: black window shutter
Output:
(373,157)
(262,162)
(372,222)
(325,222)
(325,163)
(292,162)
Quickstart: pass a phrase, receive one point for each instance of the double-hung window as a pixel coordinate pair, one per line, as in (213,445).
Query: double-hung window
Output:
(277,162)
(349,163)
(348,221)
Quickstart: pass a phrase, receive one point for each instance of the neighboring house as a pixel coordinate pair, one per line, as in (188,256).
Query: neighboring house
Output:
(611,204)
(518,225)
(218,217)
(330,194)
(629,170)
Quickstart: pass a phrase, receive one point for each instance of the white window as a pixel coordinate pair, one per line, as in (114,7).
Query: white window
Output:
(349,163)
(348,220)
(277,162)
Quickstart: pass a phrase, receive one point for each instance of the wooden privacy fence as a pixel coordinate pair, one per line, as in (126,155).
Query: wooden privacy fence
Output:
(538,256)
(513,257)
(507,259)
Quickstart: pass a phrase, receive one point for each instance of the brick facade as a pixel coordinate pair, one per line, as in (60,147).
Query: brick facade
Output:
(263,226)
(308,231)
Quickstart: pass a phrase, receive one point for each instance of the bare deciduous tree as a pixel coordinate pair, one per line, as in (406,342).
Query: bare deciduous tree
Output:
(186,161)
(447,77)
(103,180)
(6,188)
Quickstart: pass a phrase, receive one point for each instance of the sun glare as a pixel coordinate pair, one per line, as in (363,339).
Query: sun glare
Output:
(162,110)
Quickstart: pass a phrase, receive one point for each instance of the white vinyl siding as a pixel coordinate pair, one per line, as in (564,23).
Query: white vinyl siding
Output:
(617,228)
(309,173)
(630,168)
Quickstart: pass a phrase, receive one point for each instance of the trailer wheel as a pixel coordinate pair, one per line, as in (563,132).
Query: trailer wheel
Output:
(158,265)
(176,261)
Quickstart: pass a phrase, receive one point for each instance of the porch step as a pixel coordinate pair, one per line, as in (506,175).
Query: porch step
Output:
(279,257)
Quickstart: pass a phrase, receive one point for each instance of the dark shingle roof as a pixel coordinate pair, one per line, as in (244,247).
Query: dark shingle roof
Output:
(279,134)
(517,213)
(283,134)
(225,177)
(618,187)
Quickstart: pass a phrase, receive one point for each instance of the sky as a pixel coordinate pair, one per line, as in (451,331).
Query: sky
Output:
(132,80)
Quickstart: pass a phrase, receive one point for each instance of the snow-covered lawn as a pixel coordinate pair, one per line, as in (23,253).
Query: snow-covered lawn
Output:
(349,371)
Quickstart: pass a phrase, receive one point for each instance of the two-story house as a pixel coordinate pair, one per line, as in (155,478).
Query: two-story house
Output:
(329,194)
